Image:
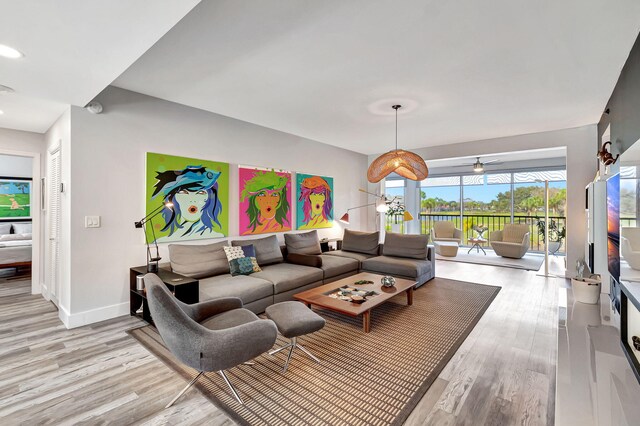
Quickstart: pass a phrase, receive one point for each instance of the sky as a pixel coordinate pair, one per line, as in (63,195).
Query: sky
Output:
(485,193)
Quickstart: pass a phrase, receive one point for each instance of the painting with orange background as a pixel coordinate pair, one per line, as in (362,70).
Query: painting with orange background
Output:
(314,208)
(265,201)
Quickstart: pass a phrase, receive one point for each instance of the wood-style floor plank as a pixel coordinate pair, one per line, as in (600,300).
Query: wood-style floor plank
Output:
(504,372)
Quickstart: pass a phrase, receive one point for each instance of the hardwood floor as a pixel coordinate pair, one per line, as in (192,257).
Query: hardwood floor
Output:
(504,373)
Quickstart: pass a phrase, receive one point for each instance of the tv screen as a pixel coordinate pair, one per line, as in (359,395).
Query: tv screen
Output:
(613,226)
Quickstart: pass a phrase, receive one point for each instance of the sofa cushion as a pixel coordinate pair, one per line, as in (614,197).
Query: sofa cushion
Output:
(361,242)
(401,245)
(267,249)
(336,265)
(246,287)
(303,259)
(303,243)
(401,266)
(350,254)
(286,276)
(197,261)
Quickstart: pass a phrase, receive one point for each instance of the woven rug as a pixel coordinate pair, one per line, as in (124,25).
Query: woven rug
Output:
(530,262)
(363,379)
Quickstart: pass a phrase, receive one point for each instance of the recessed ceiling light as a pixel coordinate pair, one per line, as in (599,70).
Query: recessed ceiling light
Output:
(1,112)
(10,52)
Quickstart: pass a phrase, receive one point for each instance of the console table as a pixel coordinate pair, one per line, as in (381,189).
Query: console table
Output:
(185,289)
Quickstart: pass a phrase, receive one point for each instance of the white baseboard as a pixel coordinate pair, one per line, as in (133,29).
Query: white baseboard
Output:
(94,315)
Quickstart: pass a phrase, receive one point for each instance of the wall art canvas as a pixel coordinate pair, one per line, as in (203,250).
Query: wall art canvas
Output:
(192,196)
(15,198)
(314,206)
(265,201)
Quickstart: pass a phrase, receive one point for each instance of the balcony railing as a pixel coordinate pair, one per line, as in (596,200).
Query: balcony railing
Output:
(492,222)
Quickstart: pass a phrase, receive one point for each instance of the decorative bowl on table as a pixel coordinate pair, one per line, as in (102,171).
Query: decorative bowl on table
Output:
(388,281)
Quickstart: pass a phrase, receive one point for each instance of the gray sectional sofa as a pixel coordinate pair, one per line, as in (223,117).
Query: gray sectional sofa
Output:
(300,264)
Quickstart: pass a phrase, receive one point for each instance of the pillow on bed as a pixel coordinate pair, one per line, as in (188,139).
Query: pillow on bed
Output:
(5,228)
(15,237)
(21,228)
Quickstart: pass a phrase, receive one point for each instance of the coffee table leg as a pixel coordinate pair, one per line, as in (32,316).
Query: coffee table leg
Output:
(366,321)
(410,296)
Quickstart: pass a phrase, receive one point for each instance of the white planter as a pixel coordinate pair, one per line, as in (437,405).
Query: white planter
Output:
(586,290)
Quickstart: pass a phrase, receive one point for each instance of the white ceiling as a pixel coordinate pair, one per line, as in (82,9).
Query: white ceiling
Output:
(503,157)
(74,49)
(330,70)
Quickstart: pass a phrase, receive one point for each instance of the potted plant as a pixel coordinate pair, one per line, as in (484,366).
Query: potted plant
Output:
(557,234)
(395,212)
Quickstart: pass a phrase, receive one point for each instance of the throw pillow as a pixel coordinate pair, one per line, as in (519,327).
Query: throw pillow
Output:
(303,243)
(360,242)
(267,249)
(5,228)
(242,260)
(21,228)
(199,260)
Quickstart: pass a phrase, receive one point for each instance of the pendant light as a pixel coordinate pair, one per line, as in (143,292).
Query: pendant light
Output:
(405,163)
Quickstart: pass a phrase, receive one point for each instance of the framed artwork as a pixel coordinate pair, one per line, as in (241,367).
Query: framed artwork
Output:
(15,198)
(265,201)
(192,196)
(314,206)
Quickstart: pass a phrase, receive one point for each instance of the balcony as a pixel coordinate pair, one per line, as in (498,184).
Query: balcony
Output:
(493,222)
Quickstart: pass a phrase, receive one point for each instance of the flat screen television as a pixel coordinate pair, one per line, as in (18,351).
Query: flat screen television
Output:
(613,237)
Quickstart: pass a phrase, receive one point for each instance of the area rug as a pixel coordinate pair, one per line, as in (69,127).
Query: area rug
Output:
(363,379)
(530,262)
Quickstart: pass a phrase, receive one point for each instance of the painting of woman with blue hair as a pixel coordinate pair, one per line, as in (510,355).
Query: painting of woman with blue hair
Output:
(195,190)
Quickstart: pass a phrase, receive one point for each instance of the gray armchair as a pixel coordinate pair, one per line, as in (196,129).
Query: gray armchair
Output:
(210,336)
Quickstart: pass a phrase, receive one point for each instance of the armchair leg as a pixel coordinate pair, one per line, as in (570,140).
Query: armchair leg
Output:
(186,388)
(233,390)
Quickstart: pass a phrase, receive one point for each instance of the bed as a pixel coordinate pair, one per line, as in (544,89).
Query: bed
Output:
(15,245)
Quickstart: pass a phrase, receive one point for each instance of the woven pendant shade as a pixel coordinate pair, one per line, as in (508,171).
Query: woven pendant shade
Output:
(405,163)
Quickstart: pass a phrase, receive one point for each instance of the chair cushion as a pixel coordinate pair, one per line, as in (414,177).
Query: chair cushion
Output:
(199,260)
(402,245)
(294,319)
(402,266)
(247,288)
(303,243)
(287,276)
(443,229)
(350,254)
(514,233)
(267,249)
(361,242)
(336,265)
(230,319)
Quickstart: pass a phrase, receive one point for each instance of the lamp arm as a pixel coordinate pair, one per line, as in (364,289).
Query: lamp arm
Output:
(148,217)
(371,193)
(359,207)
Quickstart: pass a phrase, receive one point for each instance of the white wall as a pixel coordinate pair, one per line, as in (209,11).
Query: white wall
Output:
(31,147)
(15,166)
(581,147)
(107,179)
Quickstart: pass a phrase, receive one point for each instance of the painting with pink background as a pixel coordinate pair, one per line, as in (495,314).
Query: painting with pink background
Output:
(265,201)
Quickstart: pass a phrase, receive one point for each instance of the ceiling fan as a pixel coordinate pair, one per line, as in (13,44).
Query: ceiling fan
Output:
(478,166)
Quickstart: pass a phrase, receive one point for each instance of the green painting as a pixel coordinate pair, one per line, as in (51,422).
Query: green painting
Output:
(191,196)
(15,198)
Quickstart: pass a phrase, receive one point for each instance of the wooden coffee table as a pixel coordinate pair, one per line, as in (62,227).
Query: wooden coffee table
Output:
(318,296)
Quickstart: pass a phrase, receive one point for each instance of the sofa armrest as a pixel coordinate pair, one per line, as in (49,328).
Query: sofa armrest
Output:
(457,233)
(312,260)
(525,239)
(432,234)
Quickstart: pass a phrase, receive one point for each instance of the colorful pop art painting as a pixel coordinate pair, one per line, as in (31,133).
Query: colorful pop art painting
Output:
(314,206)
(193,196)
(265,201)
(15,198)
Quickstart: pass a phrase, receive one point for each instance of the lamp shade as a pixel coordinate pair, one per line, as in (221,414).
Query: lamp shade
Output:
(405,163)
(406,216)
(381,205)
(345,218)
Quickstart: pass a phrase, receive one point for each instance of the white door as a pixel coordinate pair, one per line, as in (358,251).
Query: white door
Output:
(53,215)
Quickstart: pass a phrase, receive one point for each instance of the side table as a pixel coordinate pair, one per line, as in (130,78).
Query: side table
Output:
(476,241)
(185,289)
(324,244)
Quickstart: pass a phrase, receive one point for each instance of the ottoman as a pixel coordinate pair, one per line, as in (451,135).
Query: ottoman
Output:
(294,319)
(446,248)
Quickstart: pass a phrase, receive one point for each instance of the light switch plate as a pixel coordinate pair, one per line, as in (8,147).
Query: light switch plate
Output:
(92,221)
